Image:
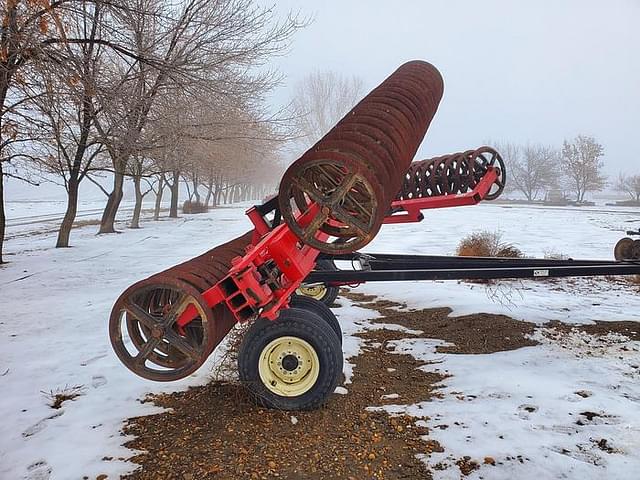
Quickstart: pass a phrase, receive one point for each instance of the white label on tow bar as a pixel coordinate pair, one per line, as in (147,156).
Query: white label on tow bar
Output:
(541,273)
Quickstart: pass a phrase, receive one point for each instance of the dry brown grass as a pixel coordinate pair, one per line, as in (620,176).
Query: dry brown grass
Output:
(487,244)
(60,395)
(194,207)
(227,367)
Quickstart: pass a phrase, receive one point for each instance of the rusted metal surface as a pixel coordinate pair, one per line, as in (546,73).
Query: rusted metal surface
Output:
(627,249)
(356,170)
(143,328)
(453,174)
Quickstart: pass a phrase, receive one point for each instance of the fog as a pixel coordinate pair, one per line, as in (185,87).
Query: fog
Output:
(537,71)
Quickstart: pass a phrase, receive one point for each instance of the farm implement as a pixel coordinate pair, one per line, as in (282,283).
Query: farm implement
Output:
(281,276)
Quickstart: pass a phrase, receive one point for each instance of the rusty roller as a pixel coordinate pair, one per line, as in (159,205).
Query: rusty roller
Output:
(142,326)
(354,172)
(453,174)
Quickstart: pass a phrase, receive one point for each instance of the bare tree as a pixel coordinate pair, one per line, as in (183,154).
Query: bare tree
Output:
(159,191)
(629,184)
(18,135)
(532,168)
(197,47)
(582,165)
(142,172)
(62,94)
(224,144)
(237,167)
(535,171)
(25,30)
(321,99)
(35,32)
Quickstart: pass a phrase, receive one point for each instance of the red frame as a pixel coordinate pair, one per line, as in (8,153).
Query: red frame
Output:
(243,289)
(412,207)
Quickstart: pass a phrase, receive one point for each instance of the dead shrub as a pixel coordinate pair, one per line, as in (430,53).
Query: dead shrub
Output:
(553,255)
(226,368)
(487,244)
(60,395)
(194,207)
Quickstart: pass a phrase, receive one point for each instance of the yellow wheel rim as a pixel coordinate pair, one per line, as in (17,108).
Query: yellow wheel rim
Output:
(316,291)
(289,366)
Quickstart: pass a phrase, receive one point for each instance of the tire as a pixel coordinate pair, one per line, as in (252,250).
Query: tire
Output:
(624,249)
(321,291)
(320,309)
(268,345)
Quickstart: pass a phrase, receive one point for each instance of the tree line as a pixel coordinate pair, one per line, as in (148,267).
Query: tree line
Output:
(576,168)
(163,94)
(151,91)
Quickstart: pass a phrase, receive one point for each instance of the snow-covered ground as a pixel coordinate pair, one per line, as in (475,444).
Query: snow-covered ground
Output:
(566,408)
(53,335)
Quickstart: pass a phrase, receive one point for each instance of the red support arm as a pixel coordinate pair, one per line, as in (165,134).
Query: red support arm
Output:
(411,208)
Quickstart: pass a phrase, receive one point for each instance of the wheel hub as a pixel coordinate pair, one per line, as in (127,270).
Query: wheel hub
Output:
(290,363)
(289,366)
(317,291)
(157,331)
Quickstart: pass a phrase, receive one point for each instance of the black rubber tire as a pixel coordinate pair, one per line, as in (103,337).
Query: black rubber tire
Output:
(331,293)
(307,326)
(320,309)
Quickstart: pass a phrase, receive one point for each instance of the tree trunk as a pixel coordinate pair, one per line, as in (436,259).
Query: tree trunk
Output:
(3,219)
(217,196)
(195,190)
(5,79)
(69,215)
(175,191)
(107,223)
(135,219)
(189,194)
(75,177)
(156,209)
(209,194)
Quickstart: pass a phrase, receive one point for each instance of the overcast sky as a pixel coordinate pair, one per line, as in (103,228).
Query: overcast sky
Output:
(536,71)
(520,71)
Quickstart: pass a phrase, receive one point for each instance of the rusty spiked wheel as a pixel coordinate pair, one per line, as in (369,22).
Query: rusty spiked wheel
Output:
(347,196)
(146,338)
(488,157)
(627,249)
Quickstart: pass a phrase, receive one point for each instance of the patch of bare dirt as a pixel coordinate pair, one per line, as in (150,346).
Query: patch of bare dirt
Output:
(628,329)
(477,333)
(593,284)
(217,432)
(357,297)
